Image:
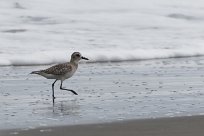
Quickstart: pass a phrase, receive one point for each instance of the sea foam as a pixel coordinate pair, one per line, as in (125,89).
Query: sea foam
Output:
(38,33)
(97,56)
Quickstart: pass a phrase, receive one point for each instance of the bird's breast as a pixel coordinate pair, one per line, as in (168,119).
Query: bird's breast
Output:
(69,74)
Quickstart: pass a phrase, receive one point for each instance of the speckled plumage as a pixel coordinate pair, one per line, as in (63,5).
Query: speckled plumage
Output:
(59,69)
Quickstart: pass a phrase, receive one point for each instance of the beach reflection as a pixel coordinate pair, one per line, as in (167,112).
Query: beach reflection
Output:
(66,107)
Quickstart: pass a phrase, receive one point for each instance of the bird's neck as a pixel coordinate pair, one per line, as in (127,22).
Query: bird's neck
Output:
(75,63)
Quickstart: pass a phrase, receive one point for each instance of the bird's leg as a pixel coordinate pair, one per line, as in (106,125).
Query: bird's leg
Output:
(53,92)
(67,89)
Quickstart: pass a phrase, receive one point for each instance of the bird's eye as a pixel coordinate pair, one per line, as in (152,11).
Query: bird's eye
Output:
(77,55)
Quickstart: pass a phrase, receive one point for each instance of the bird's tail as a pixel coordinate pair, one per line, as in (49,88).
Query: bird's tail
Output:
(35,72)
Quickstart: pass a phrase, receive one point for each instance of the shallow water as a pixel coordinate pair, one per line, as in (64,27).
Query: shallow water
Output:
(107,92)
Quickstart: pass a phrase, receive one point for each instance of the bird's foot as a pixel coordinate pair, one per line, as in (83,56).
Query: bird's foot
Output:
(69,90)
(73,92)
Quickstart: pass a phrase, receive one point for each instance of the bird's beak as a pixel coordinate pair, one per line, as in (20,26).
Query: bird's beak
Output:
(84,58)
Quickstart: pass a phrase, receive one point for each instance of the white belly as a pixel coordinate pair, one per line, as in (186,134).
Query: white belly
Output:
(67,75)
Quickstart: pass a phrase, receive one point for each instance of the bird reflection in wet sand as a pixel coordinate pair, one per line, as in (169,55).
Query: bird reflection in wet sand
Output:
(64,108)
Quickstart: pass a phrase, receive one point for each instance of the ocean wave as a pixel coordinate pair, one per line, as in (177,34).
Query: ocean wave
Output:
(183,16)
(97,56)
(37,33)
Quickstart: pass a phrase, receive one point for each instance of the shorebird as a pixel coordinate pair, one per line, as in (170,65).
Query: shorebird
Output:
(61,72)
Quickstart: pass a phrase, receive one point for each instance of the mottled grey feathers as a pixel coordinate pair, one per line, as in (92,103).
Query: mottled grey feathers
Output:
(59,69)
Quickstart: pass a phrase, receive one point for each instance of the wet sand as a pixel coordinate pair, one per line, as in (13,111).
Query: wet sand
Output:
(177,126)
(108,92)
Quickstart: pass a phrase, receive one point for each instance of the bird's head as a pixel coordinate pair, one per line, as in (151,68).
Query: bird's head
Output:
(76,57)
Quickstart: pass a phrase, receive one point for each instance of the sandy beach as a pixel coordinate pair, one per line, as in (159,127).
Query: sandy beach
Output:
(142,97)
(177,126)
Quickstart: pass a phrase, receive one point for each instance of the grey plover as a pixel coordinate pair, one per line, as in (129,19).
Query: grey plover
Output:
(62,71)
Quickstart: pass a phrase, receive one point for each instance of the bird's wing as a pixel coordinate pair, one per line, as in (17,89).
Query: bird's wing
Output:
(59,69)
